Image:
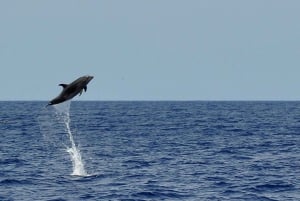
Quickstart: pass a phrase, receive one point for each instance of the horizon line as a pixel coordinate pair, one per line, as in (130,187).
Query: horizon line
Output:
(166,100)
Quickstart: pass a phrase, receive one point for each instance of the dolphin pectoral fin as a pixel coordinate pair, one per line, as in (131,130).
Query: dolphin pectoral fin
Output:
(80,92)
(63,85)
(85,88)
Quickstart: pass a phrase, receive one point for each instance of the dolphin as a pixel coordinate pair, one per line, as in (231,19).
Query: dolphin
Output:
(72,89)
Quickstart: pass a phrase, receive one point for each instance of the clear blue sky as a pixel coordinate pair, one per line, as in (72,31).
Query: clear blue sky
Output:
(151,50)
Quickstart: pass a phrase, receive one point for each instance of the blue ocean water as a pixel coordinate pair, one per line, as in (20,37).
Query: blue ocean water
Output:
(151,151)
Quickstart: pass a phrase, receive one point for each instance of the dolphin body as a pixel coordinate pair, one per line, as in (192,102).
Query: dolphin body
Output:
(72,89)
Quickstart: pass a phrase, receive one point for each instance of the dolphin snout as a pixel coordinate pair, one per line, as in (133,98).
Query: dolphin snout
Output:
(90,77)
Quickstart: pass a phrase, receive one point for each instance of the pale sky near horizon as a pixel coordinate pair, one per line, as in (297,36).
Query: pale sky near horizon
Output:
(151,50)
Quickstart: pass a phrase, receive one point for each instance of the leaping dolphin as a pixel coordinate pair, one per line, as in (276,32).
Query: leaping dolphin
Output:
(72,89)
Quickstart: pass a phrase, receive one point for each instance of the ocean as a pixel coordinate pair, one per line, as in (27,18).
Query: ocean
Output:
(156,150)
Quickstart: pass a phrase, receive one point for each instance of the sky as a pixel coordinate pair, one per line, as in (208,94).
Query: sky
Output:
(152,49)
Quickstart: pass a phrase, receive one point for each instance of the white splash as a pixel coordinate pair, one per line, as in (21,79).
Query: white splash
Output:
(63,111)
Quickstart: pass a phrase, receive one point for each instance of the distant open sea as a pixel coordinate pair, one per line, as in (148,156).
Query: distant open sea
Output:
(159,150)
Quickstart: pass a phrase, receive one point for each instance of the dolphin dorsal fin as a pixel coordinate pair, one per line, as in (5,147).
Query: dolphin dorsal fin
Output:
(85,88)
(63,85)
